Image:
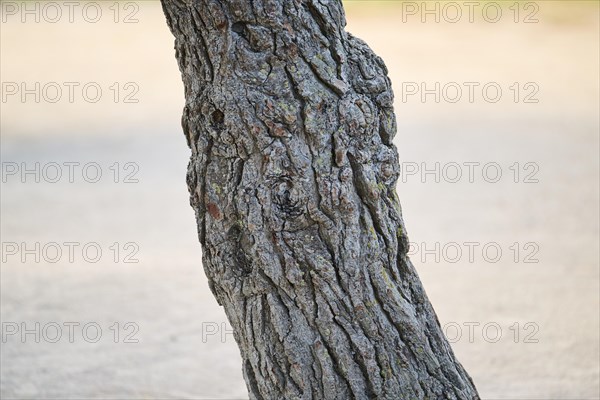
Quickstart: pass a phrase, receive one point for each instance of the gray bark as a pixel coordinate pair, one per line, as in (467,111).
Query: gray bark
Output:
(292,177)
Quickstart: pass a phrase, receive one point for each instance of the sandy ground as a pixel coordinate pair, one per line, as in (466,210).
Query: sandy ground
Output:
(548,311)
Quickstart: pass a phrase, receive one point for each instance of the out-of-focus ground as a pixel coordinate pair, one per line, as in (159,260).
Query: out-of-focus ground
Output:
(166,293)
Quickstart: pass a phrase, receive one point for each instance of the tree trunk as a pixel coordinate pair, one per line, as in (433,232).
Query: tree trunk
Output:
(292,177)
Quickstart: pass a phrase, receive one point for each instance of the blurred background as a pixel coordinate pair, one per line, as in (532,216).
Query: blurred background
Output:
(103,294)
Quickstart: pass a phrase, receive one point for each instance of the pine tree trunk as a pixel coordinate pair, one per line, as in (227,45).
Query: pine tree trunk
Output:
(292,177)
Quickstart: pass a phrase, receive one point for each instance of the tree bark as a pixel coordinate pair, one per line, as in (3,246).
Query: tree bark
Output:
(292,177)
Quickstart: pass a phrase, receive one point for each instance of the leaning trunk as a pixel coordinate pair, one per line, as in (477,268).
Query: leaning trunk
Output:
(292,177)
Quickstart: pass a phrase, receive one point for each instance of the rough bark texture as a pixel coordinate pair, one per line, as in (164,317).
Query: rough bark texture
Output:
(292,177)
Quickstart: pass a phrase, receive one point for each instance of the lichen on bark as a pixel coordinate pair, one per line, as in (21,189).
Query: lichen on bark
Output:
(293,177)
